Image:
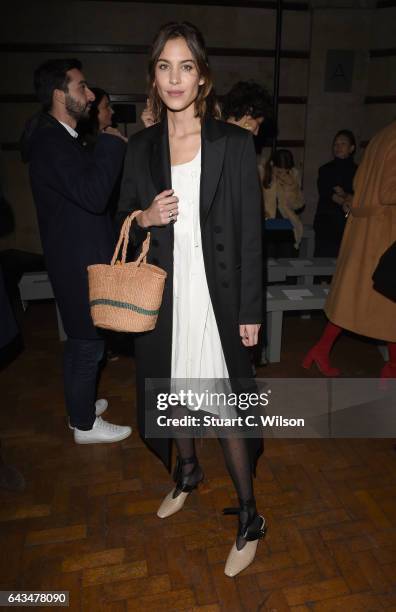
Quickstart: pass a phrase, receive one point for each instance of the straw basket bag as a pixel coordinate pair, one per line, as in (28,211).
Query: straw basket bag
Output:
(126,296)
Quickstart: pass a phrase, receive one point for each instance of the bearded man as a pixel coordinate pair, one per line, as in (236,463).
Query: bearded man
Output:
(71,187)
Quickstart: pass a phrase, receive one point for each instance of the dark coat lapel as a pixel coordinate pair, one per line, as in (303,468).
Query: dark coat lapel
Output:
(213,149)
(160,167)
(212,156)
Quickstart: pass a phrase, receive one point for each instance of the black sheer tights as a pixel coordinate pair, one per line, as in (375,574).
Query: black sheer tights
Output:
(237,461)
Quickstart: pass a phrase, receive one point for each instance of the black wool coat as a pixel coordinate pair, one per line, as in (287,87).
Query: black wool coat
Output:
(71,187)
(231,230)
(329,222)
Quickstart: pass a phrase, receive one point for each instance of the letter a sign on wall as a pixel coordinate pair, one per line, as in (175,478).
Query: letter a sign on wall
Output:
(339,71)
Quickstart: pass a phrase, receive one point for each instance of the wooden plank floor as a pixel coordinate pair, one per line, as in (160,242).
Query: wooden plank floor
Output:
(86,522)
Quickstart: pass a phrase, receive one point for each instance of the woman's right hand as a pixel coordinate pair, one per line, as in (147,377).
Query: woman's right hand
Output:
(162,210)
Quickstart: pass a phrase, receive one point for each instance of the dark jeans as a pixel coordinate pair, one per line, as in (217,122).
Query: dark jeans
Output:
(80,370)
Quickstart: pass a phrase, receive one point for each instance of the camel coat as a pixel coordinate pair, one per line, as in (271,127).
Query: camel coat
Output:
(353,303)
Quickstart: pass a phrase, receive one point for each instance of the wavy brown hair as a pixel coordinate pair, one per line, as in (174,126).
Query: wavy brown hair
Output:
(205,102)
(281,158)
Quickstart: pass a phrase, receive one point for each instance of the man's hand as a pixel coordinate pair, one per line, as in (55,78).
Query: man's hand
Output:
(249,333)
(162,210)
(114,132)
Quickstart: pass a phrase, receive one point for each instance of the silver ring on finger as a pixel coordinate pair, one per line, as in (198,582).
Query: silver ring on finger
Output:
(170,214)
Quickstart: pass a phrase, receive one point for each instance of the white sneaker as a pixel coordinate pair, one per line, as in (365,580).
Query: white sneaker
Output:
(101,406)
(102,431)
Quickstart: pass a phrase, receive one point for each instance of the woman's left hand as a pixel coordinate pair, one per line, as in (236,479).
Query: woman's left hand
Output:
(249,333)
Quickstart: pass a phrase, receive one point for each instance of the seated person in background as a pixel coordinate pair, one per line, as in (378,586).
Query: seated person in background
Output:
(283,196)
(335,182)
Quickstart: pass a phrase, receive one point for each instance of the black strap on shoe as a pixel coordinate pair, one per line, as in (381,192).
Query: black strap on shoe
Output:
(187,482)
(251,527)
(231,510)
(178,472)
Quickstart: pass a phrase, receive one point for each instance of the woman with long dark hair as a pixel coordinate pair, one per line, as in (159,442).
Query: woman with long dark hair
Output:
(195,180)
(99,118)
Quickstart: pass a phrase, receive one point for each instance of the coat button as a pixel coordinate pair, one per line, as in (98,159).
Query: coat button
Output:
(220,247)
(225,284)
(154,242)
(217,229)
(222,265)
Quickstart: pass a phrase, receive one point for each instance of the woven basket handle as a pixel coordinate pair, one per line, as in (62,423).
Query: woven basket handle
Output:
(123,241)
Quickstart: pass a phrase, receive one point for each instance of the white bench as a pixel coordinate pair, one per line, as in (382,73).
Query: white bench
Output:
(281,298)
(36,286)
(275,272)
(305,270)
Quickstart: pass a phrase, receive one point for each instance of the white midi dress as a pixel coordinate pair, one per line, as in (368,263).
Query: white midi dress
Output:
(197,353)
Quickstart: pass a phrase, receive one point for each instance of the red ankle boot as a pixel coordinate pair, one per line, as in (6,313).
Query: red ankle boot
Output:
(322,362)
(320,352)
(389,369)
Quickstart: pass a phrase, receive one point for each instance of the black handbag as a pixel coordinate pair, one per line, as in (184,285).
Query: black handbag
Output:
(384,276)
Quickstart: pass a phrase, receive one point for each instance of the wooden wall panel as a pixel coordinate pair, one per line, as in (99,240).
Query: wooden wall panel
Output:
(76,23)
(294,77)
(296,30)
(382,76)
(378,116)
(328,112)
(11,130)
(135,23)
(291,122)
(384,28)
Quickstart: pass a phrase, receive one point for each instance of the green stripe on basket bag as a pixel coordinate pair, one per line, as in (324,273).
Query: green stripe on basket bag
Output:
(138,309)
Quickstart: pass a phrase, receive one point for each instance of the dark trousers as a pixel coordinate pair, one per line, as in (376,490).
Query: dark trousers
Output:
(80,370)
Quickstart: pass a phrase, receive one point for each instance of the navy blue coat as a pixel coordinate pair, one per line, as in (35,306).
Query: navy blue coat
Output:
(71,187)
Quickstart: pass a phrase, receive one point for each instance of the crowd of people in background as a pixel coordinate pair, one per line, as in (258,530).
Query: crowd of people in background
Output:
(76,157)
